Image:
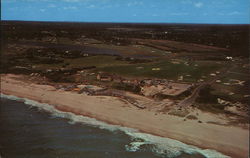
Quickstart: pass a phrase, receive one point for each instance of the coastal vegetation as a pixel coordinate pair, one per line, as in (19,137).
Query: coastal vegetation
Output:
(125,57)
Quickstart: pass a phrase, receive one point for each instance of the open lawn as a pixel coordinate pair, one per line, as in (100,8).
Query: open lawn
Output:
(230,92)
(156,69)
(98,61)
(162,69)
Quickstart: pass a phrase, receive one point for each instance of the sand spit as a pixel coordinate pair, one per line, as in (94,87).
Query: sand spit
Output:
(230,140)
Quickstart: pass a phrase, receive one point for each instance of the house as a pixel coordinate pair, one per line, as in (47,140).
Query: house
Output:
(104,77)
(170,89)
(229,58)
(146,82)
(136,82)
(117,79)
(126,81)
(90,89)
(156,69)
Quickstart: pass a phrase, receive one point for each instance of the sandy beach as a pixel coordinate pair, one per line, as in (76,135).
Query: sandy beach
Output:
(229,140)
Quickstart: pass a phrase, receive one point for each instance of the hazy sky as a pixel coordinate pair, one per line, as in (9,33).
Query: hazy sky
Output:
(163,11)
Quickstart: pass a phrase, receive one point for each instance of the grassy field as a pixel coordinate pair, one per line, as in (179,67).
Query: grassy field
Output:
(235,76)
(230,92)
(162,69)
(156,69)
(98,61)
(133,50)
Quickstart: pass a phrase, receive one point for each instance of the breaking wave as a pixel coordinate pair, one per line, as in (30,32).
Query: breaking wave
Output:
(159,145)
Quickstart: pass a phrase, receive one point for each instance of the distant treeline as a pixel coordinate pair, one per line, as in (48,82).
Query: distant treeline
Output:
(233,37)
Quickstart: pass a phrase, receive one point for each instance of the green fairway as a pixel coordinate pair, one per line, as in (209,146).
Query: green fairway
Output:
(161,69)
(156,69)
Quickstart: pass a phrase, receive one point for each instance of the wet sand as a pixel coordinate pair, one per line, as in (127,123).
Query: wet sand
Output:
(230,140)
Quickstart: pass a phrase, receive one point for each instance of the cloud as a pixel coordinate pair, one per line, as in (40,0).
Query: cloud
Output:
(191,2)
(186,1)
(76,1)
(9,1)
(71,0)
(42,10)
(14,8)
(178,14)
(51,5)
(231,13)
(69,8)
(221,13)
(91,6)
(134,3)
(12,1)
(107,6)
(234,13)
(198,4)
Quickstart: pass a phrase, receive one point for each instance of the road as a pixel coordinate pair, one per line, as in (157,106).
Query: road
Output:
(191,99)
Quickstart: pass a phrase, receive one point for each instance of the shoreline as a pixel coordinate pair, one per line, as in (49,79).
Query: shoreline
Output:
(229,140)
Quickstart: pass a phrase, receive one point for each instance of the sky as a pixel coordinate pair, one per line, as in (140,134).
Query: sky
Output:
(138,11)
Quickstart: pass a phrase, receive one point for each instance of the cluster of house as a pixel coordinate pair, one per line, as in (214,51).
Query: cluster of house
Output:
(114,78)
(149,87)
(163,87)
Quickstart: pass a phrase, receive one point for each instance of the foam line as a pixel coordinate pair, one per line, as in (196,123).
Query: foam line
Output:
(160,145)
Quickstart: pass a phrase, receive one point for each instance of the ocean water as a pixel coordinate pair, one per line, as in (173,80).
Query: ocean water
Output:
(29,129)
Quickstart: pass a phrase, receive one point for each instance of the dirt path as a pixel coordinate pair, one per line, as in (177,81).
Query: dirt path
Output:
(191,99)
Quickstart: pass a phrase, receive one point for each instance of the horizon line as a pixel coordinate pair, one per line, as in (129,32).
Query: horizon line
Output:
(114,22)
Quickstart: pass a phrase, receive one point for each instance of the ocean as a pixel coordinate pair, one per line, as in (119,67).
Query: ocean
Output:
(29,129)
